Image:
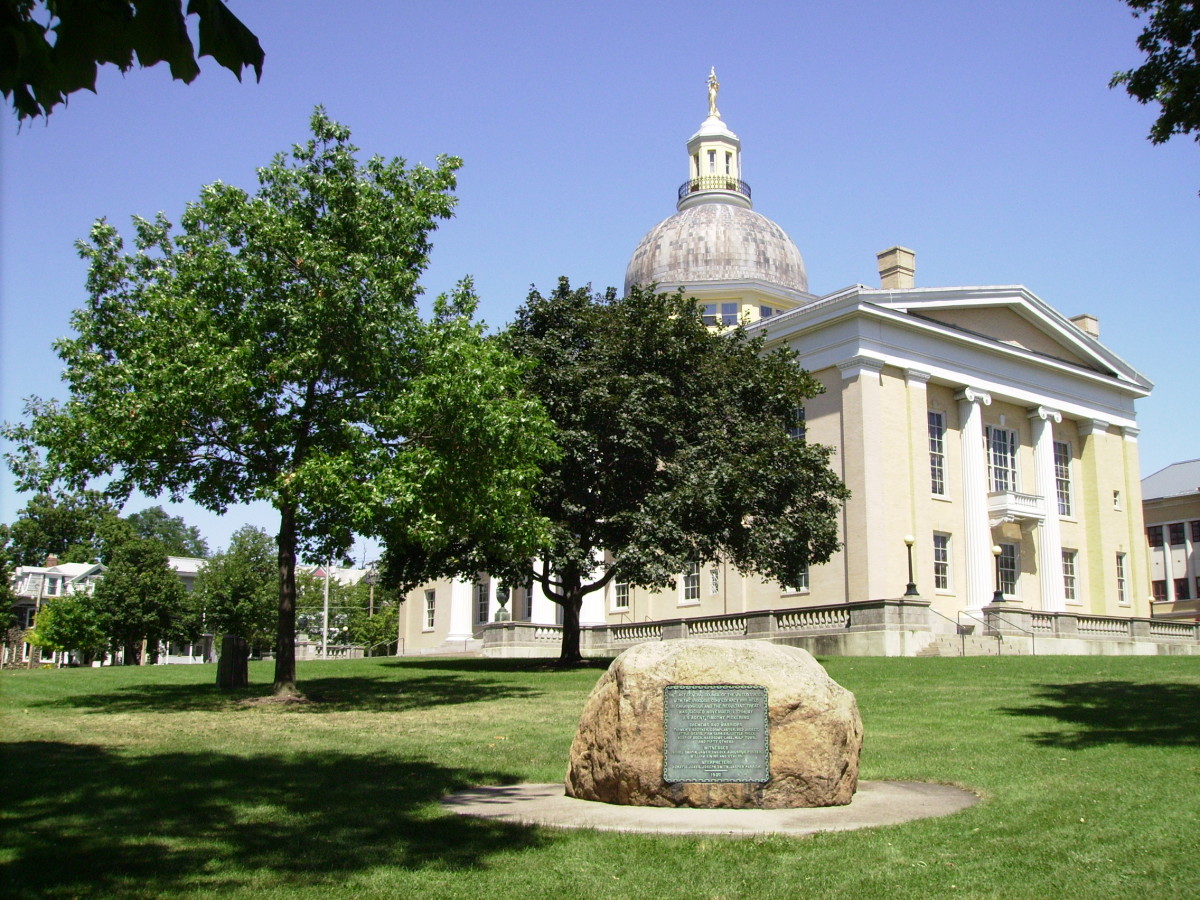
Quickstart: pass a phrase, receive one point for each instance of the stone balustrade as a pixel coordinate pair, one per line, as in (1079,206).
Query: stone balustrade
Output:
(892,627)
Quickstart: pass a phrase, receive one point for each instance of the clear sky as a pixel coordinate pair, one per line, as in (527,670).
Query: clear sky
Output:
(983,136)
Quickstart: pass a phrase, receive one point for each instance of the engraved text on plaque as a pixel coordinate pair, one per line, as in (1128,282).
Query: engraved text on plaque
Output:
(715,733)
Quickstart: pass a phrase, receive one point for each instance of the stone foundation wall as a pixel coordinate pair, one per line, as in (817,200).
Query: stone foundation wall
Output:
(902,627)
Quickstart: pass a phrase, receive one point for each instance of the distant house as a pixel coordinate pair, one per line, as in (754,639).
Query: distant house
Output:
(34,586)
(1171,508)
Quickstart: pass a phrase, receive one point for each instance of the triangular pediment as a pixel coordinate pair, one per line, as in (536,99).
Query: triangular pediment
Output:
(1004,325)
(1013,316)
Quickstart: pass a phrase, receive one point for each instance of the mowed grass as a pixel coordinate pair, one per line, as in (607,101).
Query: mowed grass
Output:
(148,782)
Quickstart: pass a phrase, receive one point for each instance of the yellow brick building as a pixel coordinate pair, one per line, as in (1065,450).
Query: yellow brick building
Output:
(982,433)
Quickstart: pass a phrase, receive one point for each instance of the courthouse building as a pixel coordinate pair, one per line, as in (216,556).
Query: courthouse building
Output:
(979,429)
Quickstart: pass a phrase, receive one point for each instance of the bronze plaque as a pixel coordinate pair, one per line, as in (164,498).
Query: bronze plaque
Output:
(715,733)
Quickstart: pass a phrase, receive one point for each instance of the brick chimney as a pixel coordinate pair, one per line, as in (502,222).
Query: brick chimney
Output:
(1088,324)
(897,268)
(51,561)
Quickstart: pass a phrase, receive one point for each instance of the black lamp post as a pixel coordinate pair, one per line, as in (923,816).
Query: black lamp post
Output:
(998,596)
(911,590)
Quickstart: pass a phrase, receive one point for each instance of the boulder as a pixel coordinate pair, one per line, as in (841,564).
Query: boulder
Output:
(813,727)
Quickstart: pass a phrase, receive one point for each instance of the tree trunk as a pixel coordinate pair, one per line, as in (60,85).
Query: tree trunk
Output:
(285,636)
(572,602)
(232,671)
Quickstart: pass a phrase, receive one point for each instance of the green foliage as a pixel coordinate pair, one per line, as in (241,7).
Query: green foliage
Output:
(75,622)
(176,536)
(141,597)
(674,445)
(273,350)
(1170,76)
(237,590)
(51,49)
(76,527)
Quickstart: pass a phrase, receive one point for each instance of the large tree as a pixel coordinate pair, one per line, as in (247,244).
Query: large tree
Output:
(1170,76)
(178,537)
(51,49)
(273,349)
(675,449)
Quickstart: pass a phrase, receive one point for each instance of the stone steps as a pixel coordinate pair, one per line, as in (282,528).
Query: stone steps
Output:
(967,645)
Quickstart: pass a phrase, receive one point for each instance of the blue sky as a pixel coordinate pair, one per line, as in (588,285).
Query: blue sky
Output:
(982,136)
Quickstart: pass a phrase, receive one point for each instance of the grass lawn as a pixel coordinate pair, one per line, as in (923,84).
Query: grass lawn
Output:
(146,782)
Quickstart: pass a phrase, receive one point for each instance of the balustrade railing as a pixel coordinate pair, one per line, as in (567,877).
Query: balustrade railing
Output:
(714,183)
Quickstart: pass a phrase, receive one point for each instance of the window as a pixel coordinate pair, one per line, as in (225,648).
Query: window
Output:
(1183,589)
(691,583)
(708,313)
(801,585)
(430,608)
(481,600)
(714,580)
(1062,476)
(941,562)
(621,595)
(52,587)
(1154,534)
(1177,535)
(765,312)
(1116,500)
(937,453)
(1121,598)
(1009,568)
(529,601)
(1159,590)
(1196,532)
(1198,585)
(712,162)
(729,313)
(1002,458)
(696,164)
(1068,564)
(798,429)
(728,163)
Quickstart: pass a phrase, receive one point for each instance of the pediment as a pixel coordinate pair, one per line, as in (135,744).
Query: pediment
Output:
(1004,325)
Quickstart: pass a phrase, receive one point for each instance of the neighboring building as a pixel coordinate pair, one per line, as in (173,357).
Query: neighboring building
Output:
(1171,508)
(34,586)
(970,420)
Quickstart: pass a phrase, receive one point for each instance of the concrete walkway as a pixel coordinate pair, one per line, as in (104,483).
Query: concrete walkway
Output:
(875,803)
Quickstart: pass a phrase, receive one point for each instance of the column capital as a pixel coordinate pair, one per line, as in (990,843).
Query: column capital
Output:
(1088,427)
(1046,413)
(1130,432)
(974,395)
(860,365)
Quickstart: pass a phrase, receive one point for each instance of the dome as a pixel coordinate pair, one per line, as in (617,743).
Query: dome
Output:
(716,241)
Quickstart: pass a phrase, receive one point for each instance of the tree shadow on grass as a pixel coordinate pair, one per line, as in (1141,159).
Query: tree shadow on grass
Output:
(1118,712)
(476,664)
(83,822)
(363,693)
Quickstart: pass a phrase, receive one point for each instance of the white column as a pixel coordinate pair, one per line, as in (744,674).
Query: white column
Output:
(545,610)
(462,596)
(591,612)
(977,541)
(1049,539)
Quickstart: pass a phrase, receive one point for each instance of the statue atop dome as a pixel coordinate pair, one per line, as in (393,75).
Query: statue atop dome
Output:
(713,87)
